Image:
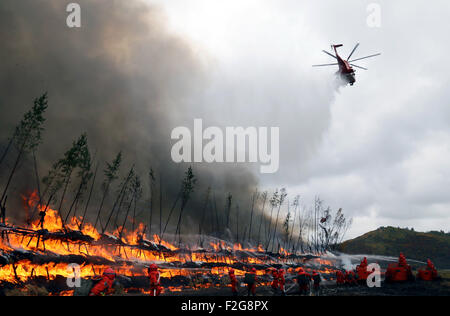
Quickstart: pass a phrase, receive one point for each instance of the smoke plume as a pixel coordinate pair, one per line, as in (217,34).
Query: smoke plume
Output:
(121,78)
(126,80)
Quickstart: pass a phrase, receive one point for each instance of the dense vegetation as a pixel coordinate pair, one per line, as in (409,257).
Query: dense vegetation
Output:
(390,241)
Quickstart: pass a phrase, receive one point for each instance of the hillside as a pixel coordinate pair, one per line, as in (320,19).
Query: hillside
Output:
(390,241)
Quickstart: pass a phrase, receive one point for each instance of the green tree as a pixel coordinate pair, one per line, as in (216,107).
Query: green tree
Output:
(27,137)
(72,159)
(279,202)
(84,174)
(187,188)
(273,203)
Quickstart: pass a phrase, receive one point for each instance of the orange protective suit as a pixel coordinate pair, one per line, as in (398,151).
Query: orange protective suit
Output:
(105,285)
(155,282)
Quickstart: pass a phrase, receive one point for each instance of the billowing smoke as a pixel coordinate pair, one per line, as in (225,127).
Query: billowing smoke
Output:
(127,81)
(121,78)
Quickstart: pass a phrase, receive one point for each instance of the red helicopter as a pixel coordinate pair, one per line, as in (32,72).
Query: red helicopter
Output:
(346,71)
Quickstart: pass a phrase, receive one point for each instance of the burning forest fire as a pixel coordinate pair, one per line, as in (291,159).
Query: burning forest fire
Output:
(54,237)
(46,251)
(56,251)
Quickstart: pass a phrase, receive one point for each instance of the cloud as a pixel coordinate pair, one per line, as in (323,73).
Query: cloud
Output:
(378,149)
(385,158)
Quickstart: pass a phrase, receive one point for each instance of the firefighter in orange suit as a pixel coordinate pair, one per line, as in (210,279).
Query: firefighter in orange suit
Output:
(402,260)
(340,278)
(250,280)
(281,281)
(233,281)
(154,277)
(303,280)
(105,285)
(316,282)
(274,284)
(350,278)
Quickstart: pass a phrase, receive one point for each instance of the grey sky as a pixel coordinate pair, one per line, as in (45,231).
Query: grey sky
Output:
(137,69)
(379,149)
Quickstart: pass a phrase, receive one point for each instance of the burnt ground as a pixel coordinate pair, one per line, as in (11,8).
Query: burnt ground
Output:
(439,287)
(139,286)
(418,288)
(407,289)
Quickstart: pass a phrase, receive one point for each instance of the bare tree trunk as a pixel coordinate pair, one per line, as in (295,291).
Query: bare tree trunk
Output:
(276,225)
(122,192)
(134,216)
(292,229)
(251,215)
(160,205)
(218,234)
(170,215)
(89,198)
(268,235)
(2,202)
(261,220)
(200,226)
(6,150)
(178,228)
(36,173)
(118,199)
(119,208)
(62,197)
(77,196)
(151,208)
(105,193)
(237,223)
(126,216)
(228,211)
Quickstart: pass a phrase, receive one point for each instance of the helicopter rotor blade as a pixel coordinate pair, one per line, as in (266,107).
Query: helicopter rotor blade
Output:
(329,54)
(356,46)
(364,57)
(358,66)
(325,65)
